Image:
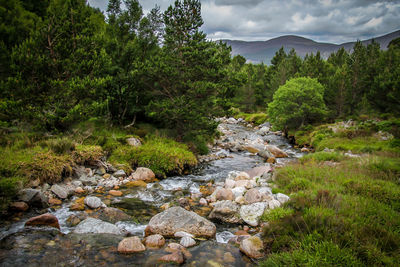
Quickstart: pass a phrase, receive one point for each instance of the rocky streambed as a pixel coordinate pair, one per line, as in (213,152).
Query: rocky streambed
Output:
(106,217)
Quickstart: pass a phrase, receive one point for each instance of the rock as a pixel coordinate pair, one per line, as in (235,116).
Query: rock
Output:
(240,200)
(95,226)
(59,191)
(175,219)
(19,206)
(88,180)
(131,245)
(183,234)
(119,173)
(154,241)
(242,176)
(282,198)
(132,141)
(100,171)
(253,247)
(203,202)
(74,220)
(107,176)
(272,204)
(173,247)
(111,215)
(253,196)
(226,211)
(238,191)
(55,201)
(271,160)
(305,150)
(46,219)
(187,242)
(252,213)
(29,195)
(224,194)
(228,257)
(251,149)
(79,190)
(265,154)
(175,257)
(93,202)
(115,193)
(136,183)
(231,121)
(245,183)
(77,183)
(143,174)
(165,206)
(264,130)
(278,153)
(259,171)
(229,183)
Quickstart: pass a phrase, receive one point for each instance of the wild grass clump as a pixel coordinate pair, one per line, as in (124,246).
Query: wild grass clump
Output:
(163,156)
(347,215)
(62,145)
(255,118)
(276,214)
(323,156)
(88,154)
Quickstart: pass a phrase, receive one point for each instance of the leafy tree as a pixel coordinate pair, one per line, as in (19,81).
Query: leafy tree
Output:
(296,103)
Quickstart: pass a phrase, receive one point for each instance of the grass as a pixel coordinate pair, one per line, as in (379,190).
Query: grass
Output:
(255,118)
(347,215)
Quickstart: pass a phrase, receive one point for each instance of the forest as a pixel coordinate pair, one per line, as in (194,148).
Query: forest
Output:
(76,83)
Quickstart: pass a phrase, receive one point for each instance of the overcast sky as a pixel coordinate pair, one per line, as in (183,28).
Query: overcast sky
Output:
(335,21)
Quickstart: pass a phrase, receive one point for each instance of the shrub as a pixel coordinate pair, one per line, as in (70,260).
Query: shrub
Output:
(88,154)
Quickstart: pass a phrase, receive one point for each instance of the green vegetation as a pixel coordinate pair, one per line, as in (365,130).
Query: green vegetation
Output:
(298,102)
(255,118)
(342,215)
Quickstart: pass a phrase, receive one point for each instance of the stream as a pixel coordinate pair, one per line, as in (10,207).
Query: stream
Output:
(48,247)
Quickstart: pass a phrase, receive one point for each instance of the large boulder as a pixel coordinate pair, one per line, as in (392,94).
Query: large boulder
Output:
(175,219)
(278,153)
(111,215)
(252,213)
(59,191)
(226,211)
(224,194)
(253,196)
(93,202)
(88,180)
(259,171)
(46,219)
(143,174)
(131,245)
(33,197)
(282,198)
(239,191)
(154,241)
(95,226)
(253,247)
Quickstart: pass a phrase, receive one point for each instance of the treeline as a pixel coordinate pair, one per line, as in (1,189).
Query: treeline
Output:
(363,82)
(63,61)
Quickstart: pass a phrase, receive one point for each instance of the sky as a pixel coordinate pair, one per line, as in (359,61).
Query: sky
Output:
(333,21)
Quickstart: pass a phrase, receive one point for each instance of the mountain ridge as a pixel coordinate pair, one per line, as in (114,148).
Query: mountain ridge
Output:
(263,51)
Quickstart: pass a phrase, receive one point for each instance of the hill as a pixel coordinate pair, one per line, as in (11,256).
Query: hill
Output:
(263,51)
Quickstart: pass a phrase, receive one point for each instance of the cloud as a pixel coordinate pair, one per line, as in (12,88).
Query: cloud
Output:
(323,20)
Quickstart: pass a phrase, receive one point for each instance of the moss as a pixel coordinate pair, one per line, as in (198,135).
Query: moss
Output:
(88,154)
(256,118)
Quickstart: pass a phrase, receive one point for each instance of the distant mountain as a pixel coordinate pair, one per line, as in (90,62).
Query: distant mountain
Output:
(263,51)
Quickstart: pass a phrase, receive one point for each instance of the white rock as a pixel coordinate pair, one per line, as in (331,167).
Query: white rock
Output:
(238,191)
(252,213)
(183,234)
(119,173)
(282,198)
(95,226)
(232,175)
(93,202)
(203,202)
(240,200)
(274,204)
(242,176)
(187,242)
(229,183)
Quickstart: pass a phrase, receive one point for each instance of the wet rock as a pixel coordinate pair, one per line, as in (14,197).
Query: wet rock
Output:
(93,202)
(175,219)
(187,242)
(106,176)
(253,247)
(242,176)
(173,247)
(136,183)
(100,171)
(115,193)
(231,121)
(143,174)
(252,213)
(175,257)
(259,171)
(59,191)
(78,204)
(265,154)
(75,219)
(272,204)
(278,153)
(33,197)
(95,226)
(271,160)
(253,196)
(131,245)
(165,206)
(305,150)
(251,149)
(111,215)
(19,206)
(46,219)
(79,190)
(88,180)
(282,198)
(132,141)
(119,173)
(228,257)
(55,201)
(154,241)
(226,211)
(203,202)
(224,194)
(263,130)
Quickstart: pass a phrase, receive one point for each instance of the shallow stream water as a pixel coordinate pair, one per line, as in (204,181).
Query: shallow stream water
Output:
(47,247)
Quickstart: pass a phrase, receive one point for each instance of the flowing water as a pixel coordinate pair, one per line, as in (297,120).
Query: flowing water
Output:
(47,247)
